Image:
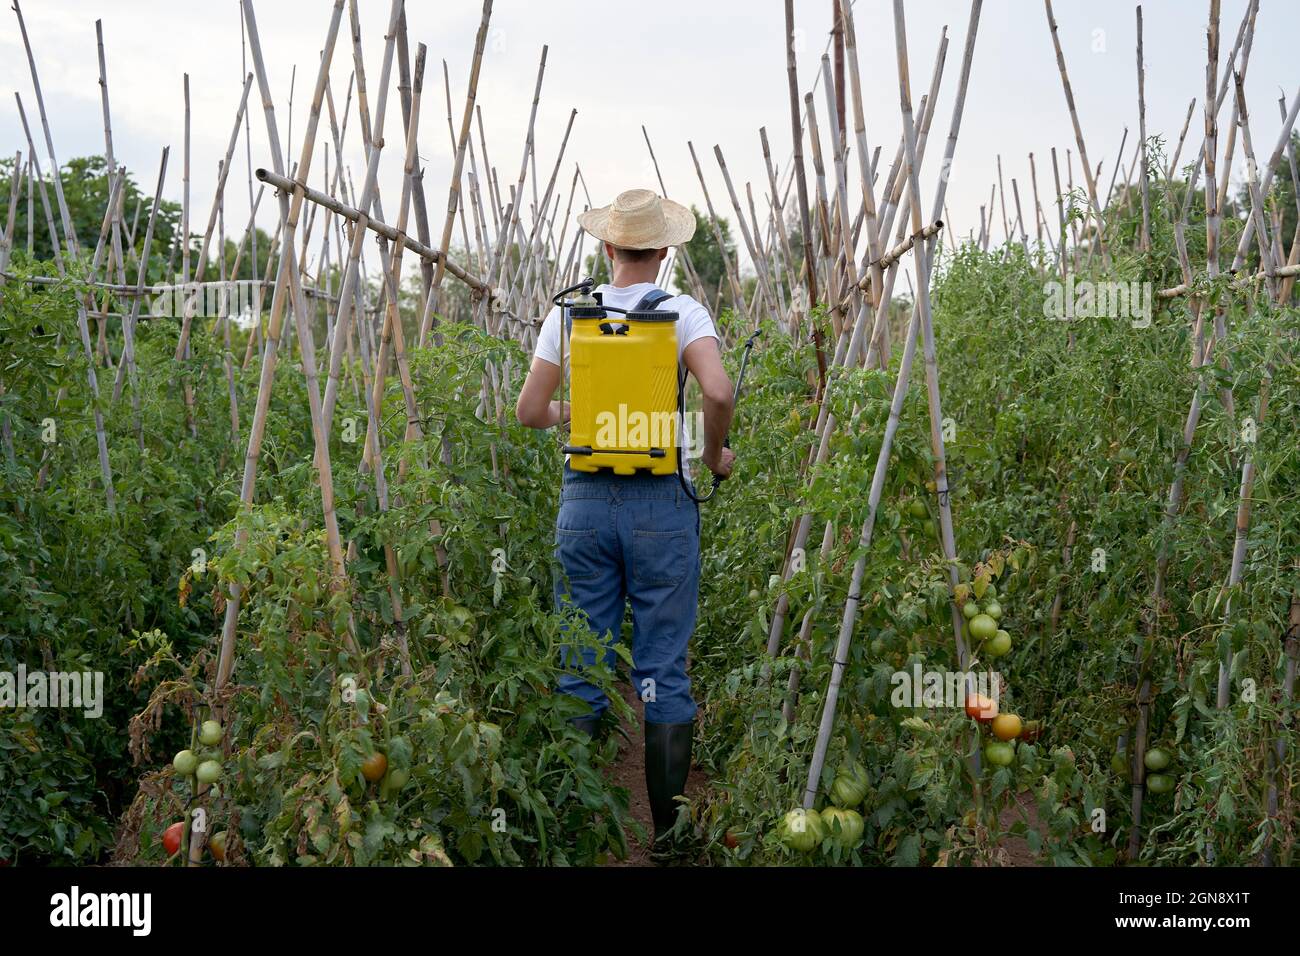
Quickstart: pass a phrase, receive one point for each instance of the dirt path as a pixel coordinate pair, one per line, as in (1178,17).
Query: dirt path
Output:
(1017,847)
(628,771)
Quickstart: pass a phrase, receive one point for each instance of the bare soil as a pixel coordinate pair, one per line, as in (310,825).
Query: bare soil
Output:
(628,771)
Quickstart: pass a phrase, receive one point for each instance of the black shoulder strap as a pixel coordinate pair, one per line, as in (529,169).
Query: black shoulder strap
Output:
(651,300)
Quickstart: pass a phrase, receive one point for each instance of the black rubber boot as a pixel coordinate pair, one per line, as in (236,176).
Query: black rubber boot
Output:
(588,725)
(667,761)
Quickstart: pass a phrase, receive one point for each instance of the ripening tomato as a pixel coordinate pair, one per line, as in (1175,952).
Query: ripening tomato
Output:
(981,708)
(172,836)
(374,767)
(1007,726)
(729,840)
(1032,731)
(217,846)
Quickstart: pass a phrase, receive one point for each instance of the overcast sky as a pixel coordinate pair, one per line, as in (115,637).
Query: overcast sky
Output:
(707,72)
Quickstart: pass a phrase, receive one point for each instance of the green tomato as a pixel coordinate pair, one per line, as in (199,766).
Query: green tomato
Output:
(1000,754)
(970,610)
(1119,764)
(844,827)
(395,780)
(983,627)
(802,830)
(999,646)
(1160,783)
(1156,759)
(210,733)
(848,790)
(208,771)
(183,763)
(916,508)
(993,609)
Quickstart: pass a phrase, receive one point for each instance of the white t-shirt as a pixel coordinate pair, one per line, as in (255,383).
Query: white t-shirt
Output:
(693,321)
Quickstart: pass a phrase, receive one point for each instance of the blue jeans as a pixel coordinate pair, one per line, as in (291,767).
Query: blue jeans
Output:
(631,538)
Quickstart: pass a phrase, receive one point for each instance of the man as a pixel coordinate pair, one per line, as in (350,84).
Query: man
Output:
(637,537)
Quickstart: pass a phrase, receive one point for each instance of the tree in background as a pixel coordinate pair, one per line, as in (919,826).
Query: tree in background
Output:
(707,259)
(86,189)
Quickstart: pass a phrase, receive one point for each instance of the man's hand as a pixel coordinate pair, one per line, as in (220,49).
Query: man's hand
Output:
(721,463)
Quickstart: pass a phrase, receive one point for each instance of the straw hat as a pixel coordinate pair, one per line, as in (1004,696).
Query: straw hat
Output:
(639,219)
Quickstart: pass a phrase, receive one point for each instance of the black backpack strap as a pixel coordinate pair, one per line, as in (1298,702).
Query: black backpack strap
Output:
(651,300)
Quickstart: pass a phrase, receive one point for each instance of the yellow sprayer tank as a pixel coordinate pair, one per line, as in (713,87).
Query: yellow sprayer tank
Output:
(623,390)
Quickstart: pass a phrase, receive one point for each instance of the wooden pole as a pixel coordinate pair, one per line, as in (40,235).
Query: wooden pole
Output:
(1078,133)
(1144,242)
(453,198)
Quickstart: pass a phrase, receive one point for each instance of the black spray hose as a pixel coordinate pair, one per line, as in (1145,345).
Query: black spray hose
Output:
(726,442)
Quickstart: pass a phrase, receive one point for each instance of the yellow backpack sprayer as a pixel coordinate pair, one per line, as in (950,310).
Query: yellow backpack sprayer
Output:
(626,387)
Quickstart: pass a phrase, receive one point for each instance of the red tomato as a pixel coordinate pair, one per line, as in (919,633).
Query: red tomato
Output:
(172,837)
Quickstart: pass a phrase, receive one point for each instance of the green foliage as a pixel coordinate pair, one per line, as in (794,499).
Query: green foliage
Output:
(707,259)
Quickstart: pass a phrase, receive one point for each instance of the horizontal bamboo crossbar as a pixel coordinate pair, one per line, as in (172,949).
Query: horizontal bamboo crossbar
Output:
(188,288)
(391,233)
(1282,273)
(896,253)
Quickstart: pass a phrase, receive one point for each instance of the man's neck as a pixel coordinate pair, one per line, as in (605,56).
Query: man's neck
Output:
(626,274)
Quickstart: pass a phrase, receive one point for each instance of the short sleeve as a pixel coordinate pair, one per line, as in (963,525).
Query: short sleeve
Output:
(548,339)
(695,322)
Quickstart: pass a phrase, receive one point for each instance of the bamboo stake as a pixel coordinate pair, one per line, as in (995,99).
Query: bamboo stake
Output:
(129,324)
(1285,731)
(1145,238)
(754,254)
(1248,460)
(453,198)
(801,181)
(512,220)
(421,207)
(729,266)
(287,265)
(1078,133)
(55,241)
(69,232)
(920,319)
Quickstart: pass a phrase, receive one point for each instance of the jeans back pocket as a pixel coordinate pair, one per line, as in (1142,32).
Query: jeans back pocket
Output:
(578,553)
(661,557)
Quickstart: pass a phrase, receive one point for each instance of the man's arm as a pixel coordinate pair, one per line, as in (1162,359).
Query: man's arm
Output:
(535,408)
(705,363)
